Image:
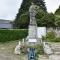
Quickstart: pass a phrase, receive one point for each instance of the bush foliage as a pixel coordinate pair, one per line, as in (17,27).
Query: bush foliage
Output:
(50,37)
(10,35)
(38,47)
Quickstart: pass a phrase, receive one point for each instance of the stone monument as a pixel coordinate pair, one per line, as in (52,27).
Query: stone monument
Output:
(32,30)
(17,48)
(47,48)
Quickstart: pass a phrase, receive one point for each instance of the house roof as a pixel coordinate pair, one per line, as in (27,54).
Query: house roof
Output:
(5,21)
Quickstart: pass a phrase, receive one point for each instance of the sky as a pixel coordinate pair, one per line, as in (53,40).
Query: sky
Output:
(9,8)
(52,5)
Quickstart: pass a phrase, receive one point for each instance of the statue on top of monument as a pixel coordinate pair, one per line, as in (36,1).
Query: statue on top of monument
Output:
(32,10)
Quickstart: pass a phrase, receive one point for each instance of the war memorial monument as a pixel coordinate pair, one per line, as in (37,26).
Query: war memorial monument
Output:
(32,28)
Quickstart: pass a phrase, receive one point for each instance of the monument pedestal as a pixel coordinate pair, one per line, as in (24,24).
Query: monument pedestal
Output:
(32,34)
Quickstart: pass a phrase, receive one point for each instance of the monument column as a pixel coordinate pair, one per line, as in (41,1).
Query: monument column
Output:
(32,30)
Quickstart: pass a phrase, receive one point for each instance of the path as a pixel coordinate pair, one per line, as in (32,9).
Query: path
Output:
(7,52)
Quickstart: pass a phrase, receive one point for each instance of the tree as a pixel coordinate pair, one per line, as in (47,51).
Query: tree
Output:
(39,16)
(48,20)
(25,8)
(57,17)
(57,12)
(57,22)
(26,4)
(24,20)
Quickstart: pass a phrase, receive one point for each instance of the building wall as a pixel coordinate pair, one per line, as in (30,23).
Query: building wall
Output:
(6,24)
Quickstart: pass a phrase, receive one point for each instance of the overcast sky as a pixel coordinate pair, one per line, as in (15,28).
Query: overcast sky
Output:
(9,8)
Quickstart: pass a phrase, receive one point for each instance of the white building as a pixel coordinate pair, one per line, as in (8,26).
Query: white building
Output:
(5,24)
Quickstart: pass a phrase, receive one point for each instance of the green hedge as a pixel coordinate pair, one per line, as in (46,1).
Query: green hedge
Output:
(10,35)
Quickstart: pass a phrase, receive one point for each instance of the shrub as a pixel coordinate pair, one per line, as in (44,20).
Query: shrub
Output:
(10,35)
(51,37)
(24,49)
(57,39)
(51,34)
(39,48)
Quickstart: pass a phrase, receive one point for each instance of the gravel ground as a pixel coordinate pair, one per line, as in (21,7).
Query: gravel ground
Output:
(7,52)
